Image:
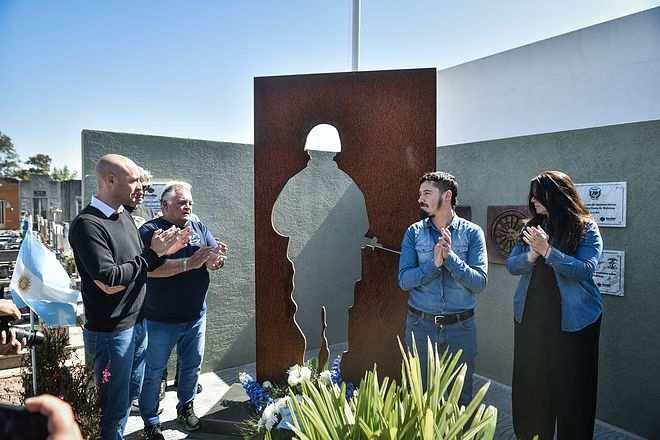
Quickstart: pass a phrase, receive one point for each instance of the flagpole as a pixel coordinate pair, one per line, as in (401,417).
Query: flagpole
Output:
(355,64)
(33,349)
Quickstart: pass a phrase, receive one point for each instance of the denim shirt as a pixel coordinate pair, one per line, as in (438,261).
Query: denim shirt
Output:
(581,301)
(452,287)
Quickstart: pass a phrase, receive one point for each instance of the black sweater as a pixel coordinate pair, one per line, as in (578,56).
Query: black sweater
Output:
(110,250)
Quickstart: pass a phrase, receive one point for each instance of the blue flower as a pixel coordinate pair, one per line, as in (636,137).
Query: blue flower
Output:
(335,374)
(350,389)
(335,371)
(259,397)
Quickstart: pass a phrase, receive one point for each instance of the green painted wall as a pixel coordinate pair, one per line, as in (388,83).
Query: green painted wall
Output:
(324,214)
(498,173)
(221,176)
(321,209)
(324,211)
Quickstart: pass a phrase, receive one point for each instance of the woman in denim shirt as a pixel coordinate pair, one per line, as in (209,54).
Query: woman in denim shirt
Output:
(557,312)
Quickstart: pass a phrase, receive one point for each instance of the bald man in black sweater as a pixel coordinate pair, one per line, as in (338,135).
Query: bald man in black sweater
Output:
(113,266)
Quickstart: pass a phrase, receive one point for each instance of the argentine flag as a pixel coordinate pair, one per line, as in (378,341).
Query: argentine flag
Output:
(40,282)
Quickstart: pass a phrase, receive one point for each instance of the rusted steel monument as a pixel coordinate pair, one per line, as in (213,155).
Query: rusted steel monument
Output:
(387,126)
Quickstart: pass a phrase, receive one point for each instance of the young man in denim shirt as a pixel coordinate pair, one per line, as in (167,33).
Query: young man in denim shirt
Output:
(443,266)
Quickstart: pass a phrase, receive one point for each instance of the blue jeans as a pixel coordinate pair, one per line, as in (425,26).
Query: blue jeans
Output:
(163,336)
(122,353)
(459,336)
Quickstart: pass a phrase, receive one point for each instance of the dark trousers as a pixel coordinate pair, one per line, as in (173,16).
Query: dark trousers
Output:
(555,378)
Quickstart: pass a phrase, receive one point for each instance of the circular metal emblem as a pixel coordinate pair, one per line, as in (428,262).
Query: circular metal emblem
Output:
(506,229)
(24,282)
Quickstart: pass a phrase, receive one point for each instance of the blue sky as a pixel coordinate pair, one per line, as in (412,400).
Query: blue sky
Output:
(186,69)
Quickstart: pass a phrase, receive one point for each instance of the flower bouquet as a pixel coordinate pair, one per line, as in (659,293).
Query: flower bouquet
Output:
(273,403)
(320,406)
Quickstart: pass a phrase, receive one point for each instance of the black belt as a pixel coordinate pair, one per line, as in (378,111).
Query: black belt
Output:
(446,319)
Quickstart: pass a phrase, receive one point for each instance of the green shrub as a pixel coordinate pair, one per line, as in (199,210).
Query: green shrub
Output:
(62,374)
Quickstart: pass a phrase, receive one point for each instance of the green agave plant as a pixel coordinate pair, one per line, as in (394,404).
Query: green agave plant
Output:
(381,409)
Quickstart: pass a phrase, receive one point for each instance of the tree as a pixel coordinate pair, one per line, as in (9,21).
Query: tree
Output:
(9,162)
(39,164)
(62,174)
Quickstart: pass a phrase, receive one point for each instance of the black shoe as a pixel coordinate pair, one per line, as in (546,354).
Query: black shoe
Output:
(153,432)
(187,419)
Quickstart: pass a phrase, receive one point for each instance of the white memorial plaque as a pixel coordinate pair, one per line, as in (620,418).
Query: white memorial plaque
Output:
(606,202)
(609,273)
(152,198)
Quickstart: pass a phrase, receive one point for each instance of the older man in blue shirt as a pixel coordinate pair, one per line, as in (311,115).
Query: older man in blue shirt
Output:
(443,266)
(175,309)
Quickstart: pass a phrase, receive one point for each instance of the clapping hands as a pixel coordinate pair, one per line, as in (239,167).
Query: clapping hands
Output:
(212,257)
(442,247)
(537,240)
(170,241)
(218,257)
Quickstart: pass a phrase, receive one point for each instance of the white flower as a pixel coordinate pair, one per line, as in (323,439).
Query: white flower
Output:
(325,377)
(268,417)
(298,375)
(270,422)
(281,403)
(244,377)
(272,414)
(267,384)
(293,379)
(269,411)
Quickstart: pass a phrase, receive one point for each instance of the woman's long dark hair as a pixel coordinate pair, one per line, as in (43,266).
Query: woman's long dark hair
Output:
(567,215)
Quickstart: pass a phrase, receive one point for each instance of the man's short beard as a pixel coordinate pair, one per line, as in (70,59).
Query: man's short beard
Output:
(423,214)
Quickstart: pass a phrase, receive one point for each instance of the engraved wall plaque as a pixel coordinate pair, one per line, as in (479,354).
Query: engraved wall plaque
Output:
(504,226)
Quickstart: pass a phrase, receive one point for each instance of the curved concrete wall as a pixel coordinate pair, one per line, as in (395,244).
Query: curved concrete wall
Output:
(221,176)
(601,75)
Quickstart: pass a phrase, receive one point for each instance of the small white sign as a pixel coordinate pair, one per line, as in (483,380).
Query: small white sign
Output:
(606,202)
(609,273)
(152,197)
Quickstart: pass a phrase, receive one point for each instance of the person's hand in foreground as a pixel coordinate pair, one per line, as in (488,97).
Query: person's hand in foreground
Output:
(9,344)
(8,308)
(61,424)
